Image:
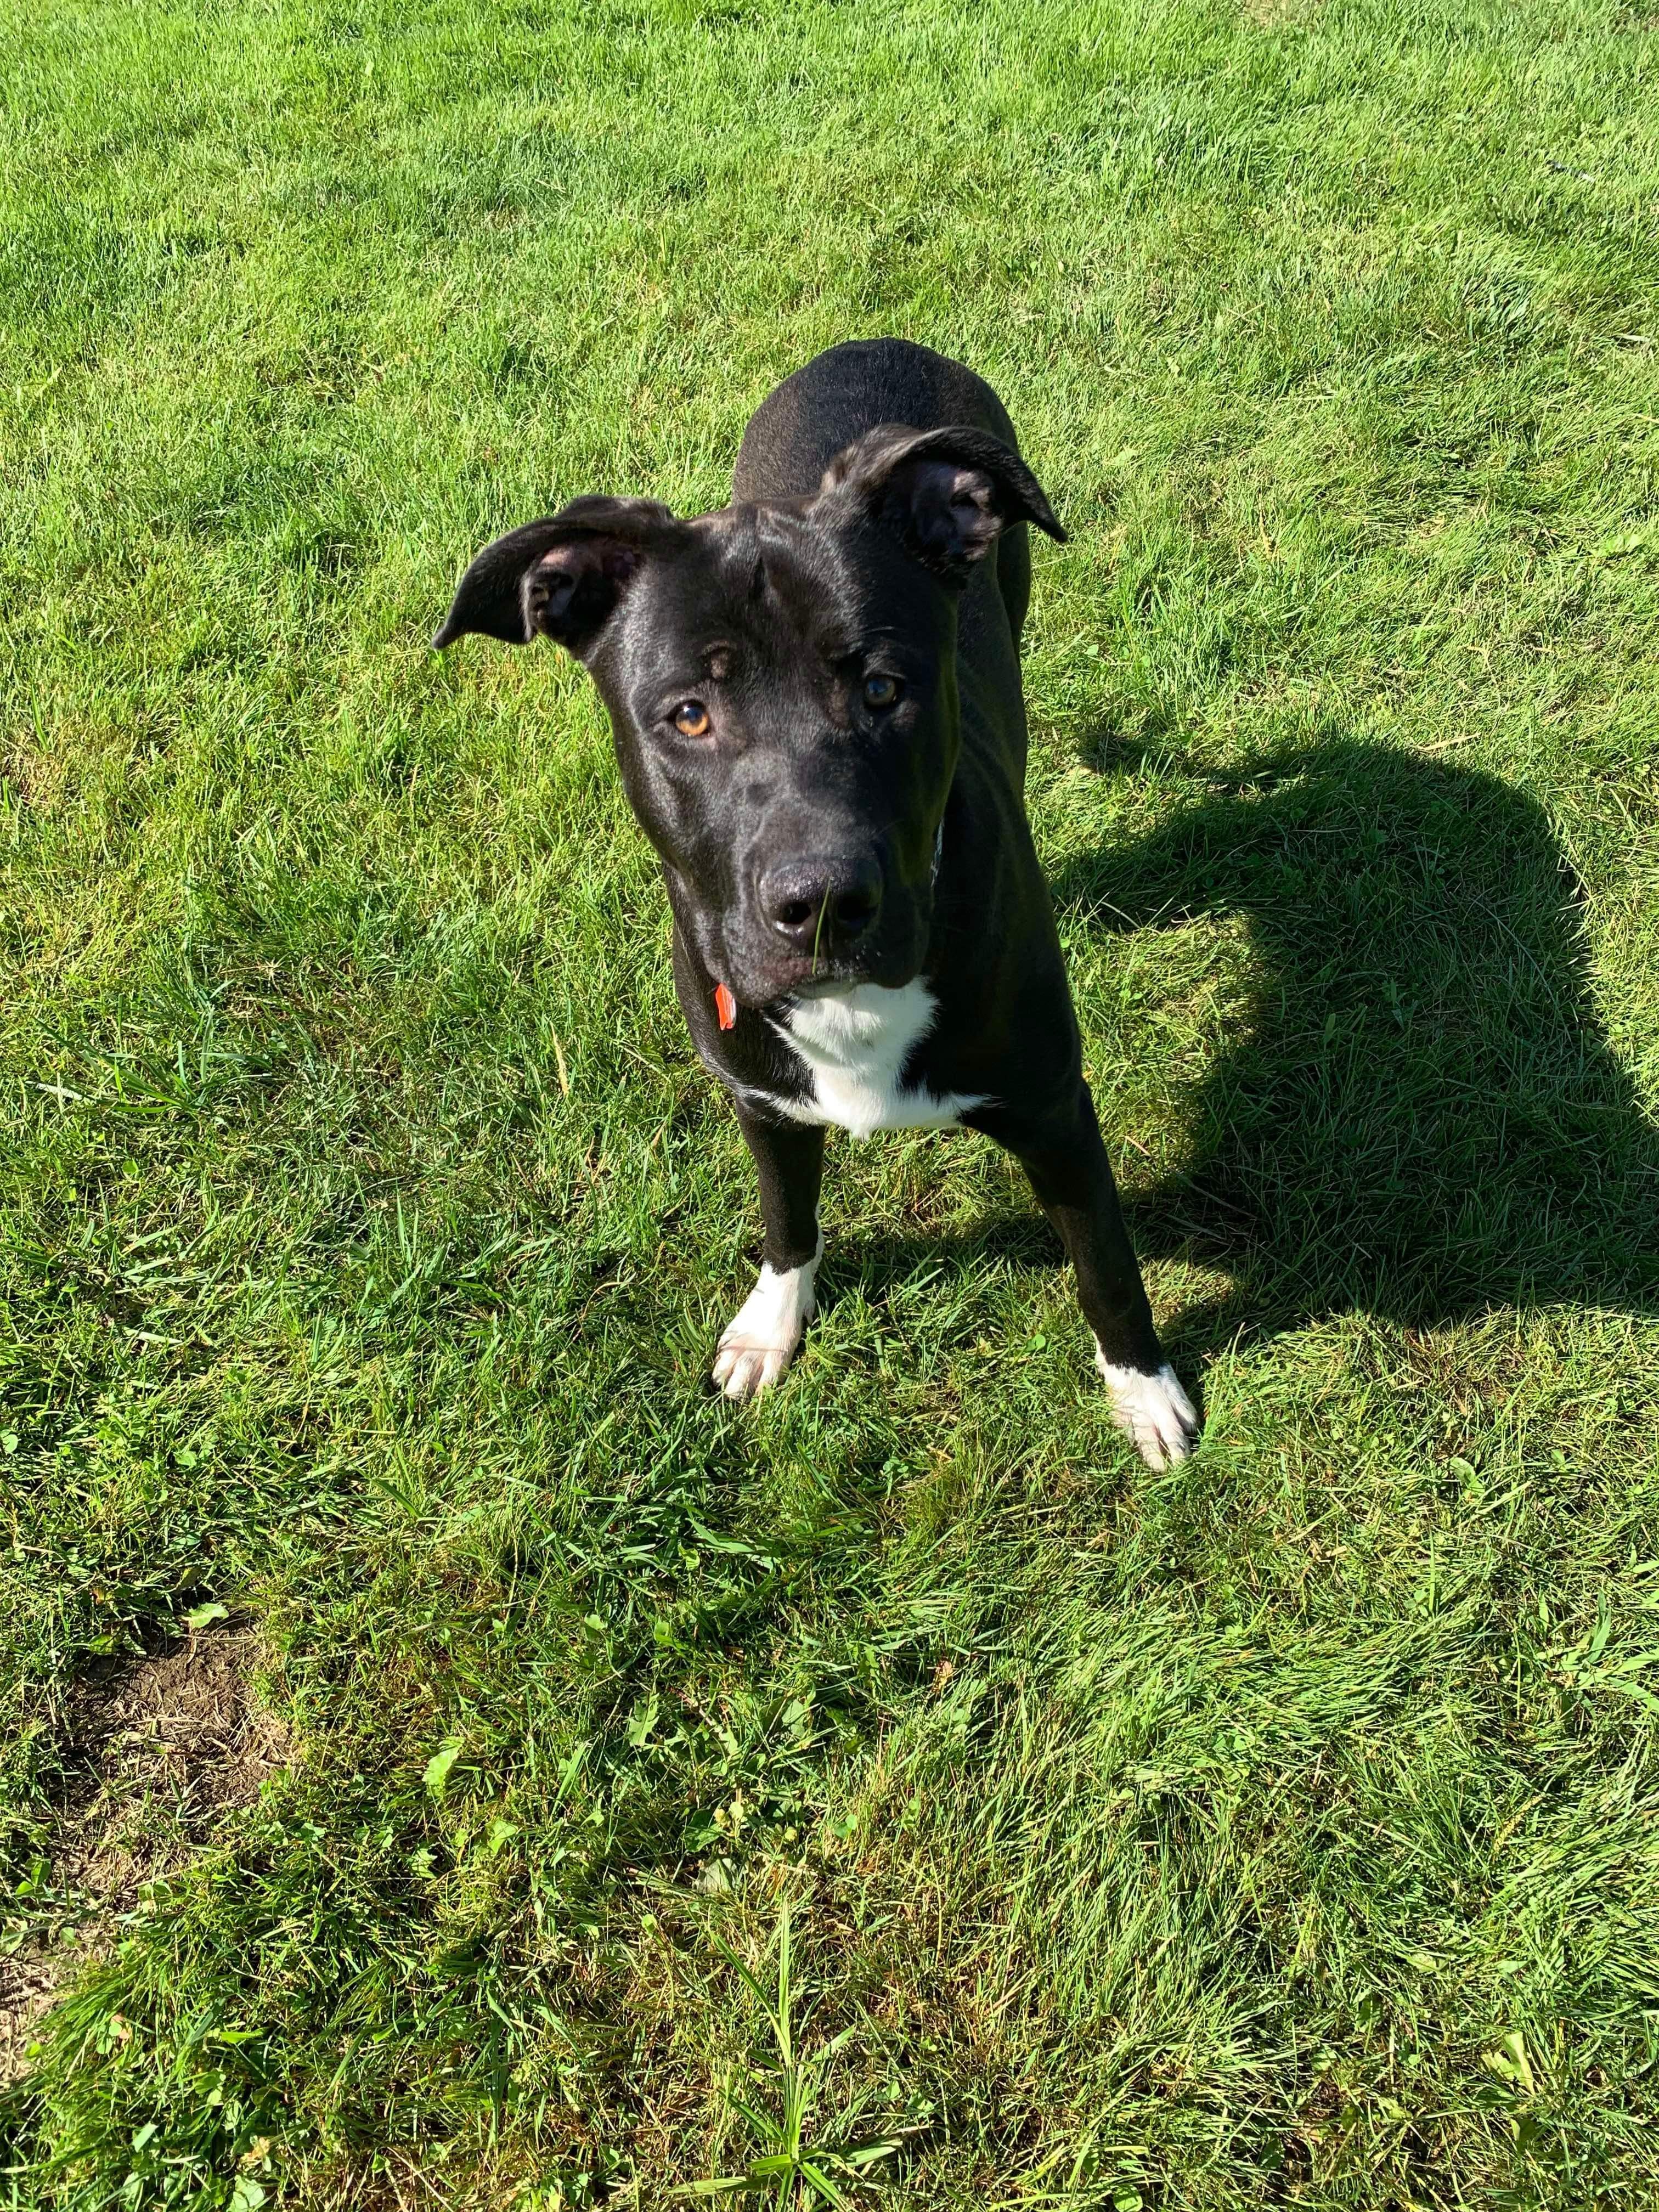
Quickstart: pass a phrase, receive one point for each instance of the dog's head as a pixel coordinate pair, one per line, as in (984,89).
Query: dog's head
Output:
(781,683)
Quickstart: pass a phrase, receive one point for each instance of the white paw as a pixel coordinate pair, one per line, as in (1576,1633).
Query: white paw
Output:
(760,1340)
(1152,1411)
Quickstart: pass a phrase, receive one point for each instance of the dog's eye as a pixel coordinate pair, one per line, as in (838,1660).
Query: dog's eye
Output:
(690,719)
(881,692)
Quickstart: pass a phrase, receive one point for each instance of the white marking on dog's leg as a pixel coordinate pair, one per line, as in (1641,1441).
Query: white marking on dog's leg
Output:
(1152,1411)
(760,1340)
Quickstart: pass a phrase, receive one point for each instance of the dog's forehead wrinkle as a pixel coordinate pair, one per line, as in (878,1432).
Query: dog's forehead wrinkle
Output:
(694,610)
(800,556)
(750,575)
(729,537)
(768,629)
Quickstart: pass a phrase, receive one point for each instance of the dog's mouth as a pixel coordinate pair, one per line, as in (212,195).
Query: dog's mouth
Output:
(825,978)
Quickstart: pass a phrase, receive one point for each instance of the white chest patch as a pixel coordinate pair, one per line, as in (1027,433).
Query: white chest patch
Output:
(856,1043)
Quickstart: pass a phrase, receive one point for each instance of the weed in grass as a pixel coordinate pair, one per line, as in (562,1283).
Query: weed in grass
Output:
(791,2169)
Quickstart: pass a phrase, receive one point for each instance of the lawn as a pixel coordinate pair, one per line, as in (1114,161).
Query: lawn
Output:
(429,1715)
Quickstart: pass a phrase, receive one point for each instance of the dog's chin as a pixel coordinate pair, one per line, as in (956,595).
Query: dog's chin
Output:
(822,979)
(820,985)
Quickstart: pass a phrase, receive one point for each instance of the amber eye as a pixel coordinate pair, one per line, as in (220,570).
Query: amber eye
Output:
(690,719)
(882,691)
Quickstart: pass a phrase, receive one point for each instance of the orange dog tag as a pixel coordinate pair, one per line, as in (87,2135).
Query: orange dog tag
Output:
(725,1006)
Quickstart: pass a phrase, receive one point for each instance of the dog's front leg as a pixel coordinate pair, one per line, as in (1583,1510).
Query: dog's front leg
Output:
(1072,1179)
(760,1341)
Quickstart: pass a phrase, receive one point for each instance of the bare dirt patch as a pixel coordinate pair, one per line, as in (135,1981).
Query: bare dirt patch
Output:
(163,1750)
(28,1980)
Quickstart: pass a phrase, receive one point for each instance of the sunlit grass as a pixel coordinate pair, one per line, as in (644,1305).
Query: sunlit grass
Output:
(1281,1830)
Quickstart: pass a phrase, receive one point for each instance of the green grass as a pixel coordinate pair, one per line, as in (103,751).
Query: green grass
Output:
(1285,1830)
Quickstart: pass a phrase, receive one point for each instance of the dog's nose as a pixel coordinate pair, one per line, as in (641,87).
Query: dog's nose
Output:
(822,905)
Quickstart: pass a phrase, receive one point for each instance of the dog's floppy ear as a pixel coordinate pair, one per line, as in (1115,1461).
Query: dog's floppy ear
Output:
(947,493)
(561,578)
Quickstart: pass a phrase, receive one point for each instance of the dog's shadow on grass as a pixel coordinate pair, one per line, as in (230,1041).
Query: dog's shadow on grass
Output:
(1420,1115)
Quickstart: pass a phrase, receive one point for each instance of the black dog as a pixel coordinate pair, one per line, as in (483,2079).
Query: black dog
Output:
(817,704)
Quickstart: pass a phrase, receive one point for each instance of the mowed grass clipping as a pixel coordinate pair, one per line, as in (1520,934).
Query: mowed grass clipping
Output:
(420,1695)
